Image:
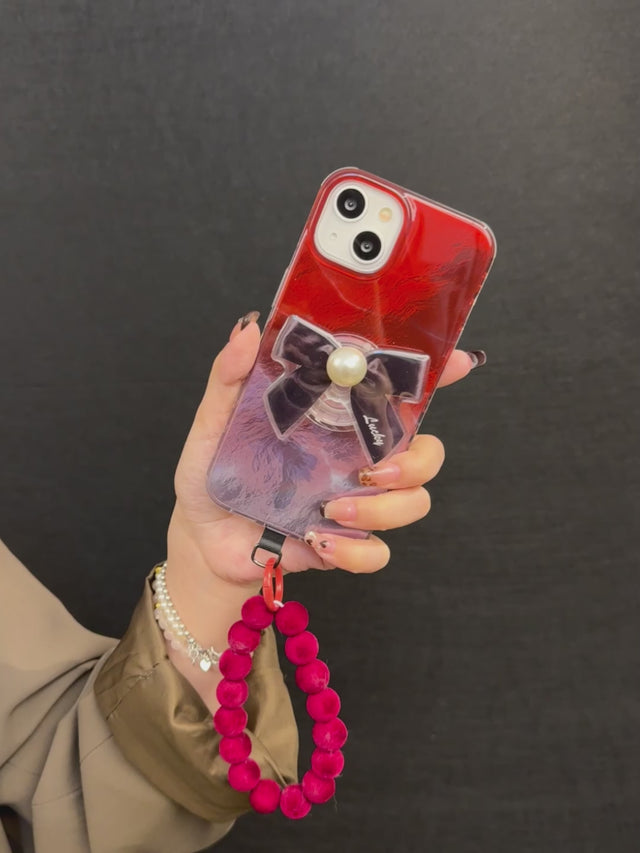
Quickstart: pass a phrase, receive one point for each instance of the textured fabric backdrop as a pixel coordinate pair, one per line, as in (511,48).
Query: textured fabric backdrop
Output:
(157,161)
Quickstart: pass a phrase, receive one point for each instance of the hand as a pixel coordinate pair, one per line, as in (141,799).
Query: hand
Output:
(221,543)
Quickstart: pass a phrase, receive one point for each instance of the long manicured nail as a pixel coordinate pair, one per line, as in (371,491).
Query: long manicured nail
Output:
(478,357)
(383,476)
(320,542)
(342,509)
(251,317)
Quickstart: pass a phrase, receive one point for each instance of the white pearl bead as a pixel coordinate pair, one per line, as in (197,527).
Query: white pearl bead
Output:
(346,366)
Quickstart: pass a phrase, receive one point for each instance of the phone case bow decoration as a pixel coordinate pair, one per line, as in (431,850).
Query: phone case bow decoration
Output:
(368,379)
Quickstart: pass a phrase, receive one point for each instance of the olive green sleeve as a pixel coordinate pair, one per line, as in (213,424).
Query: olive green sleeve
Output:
(163,727)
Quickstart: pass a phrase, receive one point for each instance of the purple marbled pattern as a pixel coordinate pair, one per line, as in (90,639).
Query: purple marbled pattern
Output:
(282,482)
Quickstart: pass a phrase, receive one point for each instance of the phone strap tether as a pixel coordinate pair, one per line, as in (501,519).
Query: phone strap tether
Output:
(270,541)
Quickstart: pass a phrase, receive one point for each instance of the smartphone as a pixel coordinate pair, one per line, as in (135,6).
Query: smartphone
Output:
(371,306)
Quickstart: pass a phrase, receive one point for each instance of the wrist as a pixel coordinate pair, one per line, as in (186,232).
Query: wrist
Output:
(209,565)
(206,603)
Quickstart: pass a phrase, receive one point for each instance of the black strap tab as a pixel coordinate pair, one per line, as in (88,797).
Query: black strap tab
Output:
(270,541)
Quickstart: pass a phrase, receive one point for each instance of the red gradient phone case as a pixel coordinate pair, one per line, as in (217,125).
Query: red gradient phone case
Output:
(296,438)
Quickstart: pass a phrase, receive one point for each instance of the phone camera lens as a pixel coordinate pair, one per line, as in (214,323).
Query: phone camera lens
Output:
(367,246)
(350,203)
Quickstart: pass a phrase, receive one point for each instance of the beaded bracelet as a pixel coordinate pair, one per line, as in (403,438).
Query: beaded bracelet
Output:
(173,628)
(329,733)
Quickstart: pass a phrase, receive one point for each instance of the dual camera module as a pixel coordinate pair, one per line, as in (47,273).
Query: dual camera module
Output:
(358,226)
(351,204)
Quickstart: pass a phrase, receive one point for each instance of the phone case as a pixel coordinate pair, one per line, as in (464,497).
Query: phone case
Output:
(295,438)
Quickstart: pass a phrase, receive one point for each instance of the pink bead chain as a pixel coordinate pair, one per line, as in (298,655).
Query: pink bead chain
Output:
(323,705)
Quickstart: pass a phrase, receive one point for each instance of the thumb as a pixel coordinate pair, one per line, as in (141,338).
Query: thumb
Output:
(230,368)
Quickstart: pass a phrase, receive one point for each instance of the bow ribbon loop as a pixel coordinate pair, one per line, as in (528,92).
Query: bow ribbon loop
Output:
(389,374)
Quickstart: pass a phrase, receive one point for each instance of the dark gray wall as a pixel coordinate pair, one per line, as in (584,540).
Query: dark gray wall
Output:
(157,161)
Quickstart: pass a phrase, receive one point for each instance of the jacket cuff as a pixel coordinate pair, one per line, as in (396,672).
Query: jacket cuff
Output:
(163,727)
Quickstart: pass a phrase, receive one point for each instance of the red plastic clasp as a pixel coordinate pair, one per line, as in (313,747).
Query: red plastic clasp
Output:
(273,571)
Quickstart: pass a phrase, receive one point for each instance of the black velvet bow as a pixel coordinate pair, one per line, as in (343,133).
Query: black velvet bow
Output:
(390,373)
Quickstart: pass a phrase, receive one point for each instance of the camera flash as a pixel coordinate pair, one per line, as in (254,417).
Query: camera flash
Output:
(385,214)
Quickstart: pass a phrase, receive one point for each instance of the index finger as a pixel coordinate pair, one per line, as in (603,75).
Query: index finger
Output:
(460,363)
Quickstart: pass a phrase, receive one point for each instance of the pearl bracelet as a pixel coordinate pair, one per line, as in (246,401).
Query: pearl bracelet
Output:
(173,627)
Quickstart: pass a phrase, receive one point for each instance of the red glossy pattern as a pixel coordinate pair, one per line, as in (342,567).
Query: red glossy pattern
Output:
(419,300)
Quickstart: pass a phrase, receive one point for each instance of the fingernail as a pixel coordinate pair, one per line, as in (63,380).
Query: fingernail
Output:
(384,476)
(478,357)
(319,542)
(251,317)
(342,509)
